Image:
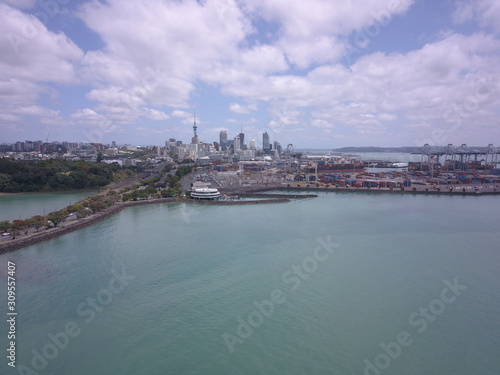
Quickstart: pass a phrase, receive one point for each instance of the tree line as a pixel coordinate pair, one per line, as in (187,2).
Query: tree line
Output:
(54,174)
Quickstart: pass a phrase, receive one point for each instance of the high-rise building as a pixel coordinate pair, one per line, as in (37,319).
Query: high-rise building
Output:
(237,143)
(266,145)
(252,144)
(242,140)
(277,147)
(223,140)
(230,146)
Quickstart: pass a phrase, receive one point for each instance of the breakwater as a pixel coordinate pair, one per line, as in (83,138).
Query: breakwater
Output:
(277,196)
(408,190)
(258,191)
(281,199)
(69,227)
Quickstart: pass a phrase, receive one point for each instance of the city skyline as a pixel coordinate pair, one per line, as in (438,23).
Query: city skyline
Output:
(317,74)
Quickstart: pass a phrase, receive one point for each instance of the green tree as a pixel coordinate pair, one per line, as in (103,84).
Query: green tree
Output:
(57,217)
(39,221)
(5,226)
(30,223)
(78,209)
(5,180)
(97,205)
(17,227)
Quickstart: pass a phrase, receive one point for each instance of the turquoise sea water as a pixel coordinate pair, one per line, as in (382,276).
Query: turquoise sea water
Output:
(347,275)
(22,206)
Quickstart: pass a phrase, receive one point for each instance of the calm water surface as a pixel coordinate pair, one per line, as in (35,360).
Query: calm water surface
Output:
(22,206)
(194,281)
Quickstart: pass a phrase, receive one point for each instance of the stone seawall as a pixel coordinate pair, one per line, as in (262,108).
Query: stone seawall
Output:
(285,196)
(239,203)
(45,235)
(406,190)
(63,229)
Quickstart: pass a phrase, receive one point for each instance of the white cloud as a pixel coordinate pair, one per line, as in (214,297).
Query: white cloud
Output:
(238,108)
(181,114)
(24,37)
(486,12)
(241,121)
(322,124)
(35,110)
(31,58)
(163,58)
(154,114)
(314,31)
(7,117)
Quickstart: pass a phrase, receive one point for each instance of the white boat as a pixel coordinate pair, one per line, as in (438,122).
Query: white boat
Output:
(205,193)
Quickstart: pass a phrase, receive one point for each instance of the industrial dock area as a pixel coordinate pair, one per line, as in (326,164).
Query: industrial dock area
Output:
(433,170)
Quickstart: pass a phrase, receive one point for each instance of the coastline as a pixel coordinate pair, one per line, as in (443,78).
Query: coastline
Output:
(255,192)
(49,234)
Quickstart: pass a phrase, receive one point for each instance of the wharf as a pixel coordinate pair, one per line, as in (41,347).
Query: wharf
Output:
(469,191)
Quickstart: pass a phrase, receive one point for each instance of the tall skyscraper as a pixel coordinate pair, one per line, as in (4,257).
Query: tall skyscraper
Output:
(277,147)
(242,140)
(266,145)
(237,143)
(223,140)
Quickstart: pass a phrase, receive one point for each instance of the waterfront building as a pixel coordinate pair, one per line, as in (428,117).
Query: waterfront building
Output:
(205,193)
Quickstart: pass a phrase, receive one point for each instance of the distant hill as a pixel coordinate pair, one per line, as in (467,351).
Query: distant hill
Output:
(408,149)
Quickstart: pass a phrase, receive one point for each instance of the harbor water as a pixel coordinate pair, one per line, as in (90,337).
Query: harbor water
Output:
(344,283)
(25,205)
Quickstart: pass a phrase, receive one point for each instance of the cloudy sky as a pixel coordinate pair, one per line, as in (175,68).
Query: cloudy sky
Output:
(315,73)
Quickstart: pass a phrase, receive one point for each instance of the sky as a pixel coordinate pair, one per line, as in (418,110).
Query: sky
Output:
(315,74)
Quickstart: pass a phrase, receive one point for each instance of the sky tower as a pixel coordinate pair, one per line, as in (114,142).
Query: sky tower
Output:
(195,140)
